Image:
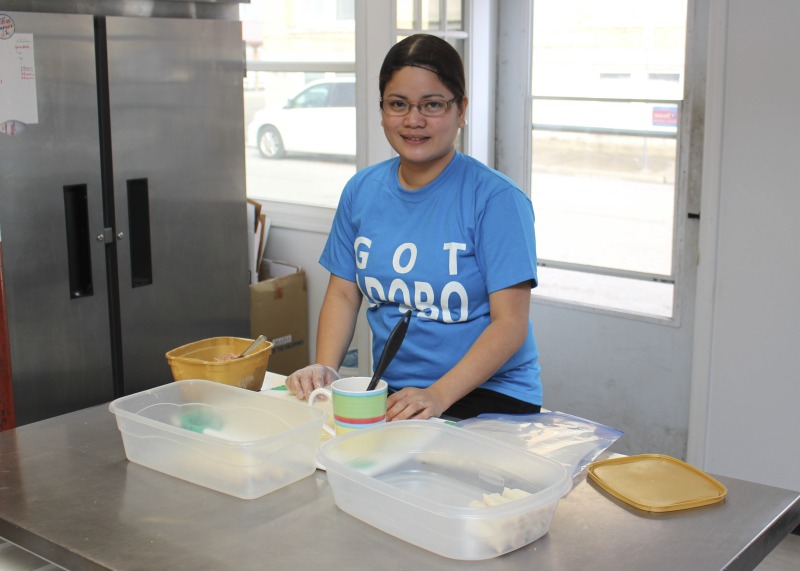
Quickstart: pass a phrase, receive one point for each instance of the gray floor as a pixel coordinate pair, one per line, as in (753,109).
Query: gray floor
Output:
(12,558)
(785,557)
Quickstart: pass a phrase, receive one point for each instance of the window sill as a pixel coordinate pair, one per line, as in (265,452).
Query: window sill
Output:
(305,217)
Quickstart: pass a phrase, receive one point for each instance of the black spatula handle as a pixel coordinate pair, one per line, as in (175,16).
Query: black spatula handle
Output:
(390,349)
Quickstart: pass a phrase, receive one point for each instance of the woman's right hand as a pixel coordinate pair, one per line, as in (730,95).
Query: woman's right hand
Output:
(302,382)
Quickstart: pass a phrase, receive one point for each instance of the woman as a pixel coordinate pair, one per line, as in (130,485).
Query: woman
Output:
(437,232)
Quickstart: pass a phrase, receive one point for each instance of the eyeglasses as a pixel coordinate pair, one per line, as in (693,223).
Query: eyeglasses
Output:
(429,108)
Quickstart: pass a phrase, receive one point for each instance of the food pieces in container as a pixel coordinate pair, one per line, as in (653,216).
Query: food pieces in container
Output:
(495,499)
(507,537)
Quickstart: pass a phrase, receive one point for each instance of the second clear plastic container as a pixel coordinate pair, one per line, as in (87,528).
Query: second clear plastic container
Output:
(441,487)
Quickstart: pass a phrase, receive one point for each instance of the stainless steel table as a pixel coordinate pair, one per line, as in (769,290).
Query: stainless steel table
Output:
(69,495)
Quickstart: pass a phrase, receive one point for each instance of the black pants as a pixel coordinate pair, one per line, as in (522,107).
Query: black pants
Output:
(480,401)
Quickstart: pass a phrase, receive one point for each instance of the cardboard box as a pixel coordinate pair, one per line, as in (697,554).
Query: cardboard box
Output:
(279,310)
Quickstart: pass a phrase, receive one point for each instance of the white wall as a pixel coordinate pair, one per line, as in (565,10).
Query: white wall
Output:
(747,344)
(620,372)
(301,246)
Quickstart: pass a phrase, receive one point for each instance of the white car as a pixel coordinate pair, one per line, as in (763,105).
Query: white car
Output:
(320,119)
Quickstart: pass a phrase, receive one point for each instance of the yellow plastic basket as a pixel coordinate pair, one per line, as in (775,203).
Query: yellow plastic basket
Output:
(197,361)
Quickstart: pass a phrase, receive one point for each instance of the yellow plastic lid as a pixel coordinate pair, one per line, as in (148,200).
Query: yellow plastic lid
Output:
(656,483)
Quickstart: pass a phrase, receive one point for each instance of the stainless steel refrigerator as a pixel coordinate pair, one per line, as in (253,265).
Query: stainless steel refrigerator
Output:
(122,207)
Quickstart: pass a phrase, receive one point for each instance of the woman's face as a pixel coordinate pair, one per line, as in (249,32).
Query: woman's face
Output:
(422,142)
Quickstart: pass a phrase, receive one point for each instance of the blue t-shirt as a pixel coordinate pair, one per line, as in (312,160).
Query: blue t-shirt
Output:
(439,250)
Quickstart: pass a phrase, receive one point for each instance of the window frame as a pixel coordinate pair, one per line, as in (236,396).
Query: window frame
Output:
(513,152)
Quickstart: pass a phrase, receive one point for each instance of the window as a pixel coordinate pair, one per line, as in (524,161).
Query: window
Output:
(300,90)
(299,99)
(607,92)
(430,15)
(443,18)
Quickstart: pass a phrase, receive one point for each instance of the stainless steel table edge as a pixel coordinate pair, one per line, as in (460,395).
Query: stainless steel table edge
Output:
(772,535)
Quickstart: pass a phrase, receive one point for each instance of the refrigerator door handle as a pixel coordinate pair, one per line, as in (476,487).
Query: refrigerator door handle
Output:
(139,232)
(79,256)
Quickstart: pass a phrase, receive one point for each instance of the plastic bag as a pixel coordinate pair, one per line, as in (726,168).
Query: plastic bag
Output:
(570,440)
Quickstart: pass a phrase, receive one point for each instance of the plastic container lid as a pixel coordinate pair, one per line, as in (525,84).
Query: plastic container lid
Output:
(656,483)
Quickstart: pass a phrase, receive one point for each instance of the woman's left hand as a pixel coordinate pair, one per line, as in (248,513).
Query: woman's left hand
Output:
(413,403)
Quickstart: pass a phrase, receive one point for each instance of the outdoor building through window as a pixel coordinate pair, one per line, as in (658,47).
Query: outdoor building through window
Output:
(607,92)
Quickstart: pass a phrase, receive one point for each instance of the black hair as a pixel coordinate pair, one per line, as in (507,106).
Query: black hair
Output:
(427,52)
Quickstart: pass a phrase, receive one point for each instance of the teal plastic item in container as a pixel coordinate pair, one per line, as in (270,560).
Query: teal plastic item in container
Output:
(200,420)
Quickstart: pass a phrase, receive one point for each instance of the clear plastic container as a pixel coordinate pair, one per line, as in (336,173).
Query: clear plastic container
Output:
(198,360)
(225,438)
(441,487)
